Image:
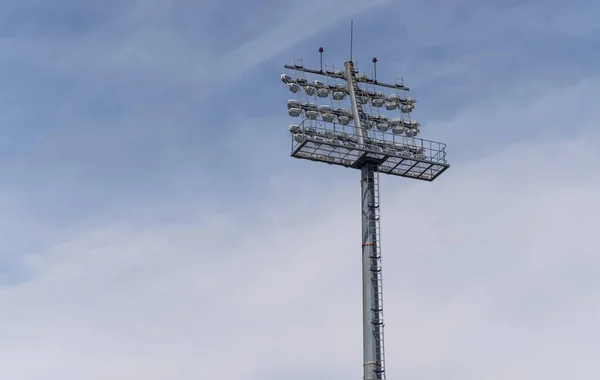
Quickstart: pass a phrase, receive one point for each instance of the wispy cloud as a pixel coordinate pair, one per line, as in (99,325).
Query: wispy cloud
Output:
(154,226)
(146,292)
(300,23)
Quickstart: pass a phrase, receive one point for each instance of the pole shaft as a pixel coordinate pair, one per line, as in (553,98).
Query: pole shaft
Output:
(358,130)
(373,357)
(351,38)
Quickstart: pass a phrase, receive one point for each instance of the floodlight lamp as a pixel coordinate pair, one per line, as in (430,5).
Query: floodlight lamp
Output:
(324,108)
(301,81)
(294,112)
(293,128)
(341,88)
(377,102)
(343,112)
(362,100)
(339,73)
(286,78)
(300,138)
(293,104)
(310,91)
(337,95)
(398,129)
(407,108)
(293,87)
(390,106)
(310,106)
(341,136)
(396,121)
(395,98)
(311,115)
(323,92)
(328,117)
(343,120)
(383,126)
(318,84)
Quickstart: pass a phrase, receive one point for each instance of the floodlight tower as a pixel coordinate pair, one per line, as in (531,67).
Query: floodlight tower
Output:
(355,131)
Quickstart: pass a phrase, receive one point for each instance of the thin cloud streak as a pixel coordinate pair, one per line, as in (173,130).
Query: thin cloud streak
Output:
(152,295)
(141,239)
(293,30)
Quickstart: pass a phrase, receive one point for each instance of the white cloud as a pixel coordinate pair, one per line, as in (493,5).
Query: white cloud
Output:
(487,275)
(299,25)
(489,272)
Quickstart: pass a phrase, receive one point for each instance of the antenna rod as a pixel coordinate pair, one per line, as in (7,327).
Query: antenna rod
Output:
(351,37)
(358,130)
(321,54)
(375,70)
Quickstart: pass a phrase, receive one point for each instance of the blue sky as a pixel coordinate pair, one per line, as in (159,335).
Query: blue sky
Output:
(148,201)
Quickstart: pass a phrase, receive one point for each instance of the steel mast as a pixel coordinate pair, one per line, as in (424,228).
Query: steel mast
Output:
(373,349)
(361,139)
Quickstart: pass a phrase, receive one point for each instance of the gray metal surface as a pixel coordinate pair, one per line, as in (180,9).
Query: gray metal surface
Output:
(329,73)
(397,155)
(373,149)
(373,347)
(358,131)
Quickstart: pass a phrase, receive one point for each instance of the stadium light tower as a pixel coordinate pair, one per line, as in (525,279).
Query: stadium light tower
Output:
(361,127)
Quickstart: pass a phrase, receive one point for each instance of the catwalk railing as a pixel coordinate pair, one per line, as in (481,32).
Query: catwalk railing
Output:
(395,154)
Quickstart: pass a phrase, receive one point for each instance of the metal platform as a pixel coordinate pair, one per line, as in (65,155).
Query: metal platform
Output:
(392,154)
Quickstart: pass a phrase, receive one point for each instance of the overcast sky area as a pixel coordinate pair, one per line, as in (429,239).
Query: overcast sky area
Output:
(153,225)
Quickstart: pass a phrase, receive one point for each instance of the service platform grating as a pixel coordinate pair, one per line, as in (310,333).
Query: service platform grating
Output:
(336,144)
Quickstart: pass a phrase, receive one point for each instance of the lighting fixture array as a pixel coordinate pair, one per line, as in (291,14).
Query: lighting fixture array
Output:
(350,142)
(343,116)
(377,100)
(361,136)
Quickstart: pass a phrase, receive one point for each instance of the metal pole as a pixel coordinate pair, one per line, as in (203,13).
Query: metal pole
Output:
(321,54)
(351,37)
(373,355)
(373,359)
(358,131)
